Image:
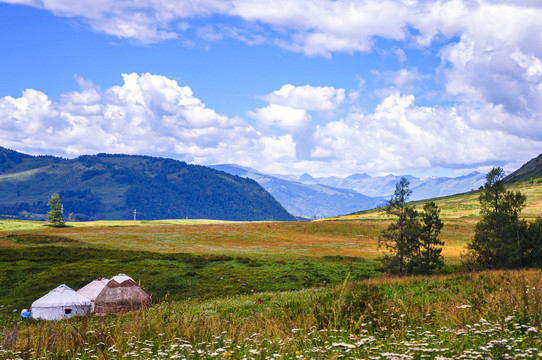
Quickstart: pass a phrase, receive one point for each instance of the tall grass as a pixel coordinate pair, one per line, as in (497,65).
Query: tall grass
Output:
(446,316)
(40,263)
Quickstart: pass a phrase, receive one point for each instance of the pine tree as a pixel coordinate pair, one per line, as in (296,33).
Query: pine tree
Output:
(498,235)
(412,240)
(397,238)
(426,257)
(55,216)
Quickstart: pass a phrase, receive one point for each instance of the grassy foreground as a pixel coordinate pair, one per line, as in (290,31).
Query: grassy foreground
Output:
(305,290)
(31,264)
(467,316)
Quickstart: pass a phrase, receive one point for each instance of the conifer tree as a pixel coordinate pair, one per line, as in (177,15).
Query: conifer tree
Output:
(55,216)
(412,240)
(397,238)
(498,234)
(426,257)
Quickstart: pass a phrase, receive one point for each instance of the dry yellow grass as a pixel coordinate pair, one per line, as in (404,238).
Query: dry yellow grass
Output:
(460,214)
(351,235)
(297,239)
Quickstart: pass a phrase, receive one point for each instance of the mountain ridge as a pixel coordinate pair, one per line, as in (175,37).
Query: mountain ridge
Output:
(384,186)
(306,199)
(111,186)
(310,197)
(530,170)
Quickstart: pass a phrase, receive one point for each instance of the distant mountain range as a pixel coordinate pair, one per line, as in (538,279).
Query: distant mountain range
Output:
(384,186)
(310,200)
(331,196)
(110,187)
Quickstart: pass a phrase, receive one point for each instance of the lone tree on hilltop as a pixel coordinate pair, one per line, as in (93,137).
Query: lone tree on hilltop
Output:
(55,216)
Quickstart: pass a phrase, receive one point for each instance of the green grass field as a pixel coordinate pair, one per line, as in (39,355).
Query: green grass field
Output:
(312,290)
(488,315)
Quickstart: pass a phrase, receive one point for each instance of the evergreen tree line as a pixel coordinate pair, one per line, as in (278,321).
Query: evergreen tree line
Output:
(501,239)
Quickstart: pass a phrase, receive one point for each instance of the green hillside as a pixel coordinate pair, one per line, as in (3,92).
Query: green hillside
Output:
(110,187)
(529,171)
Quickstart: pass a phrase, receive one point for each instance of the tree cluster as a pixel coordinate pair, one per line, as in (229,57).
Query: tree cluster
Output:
(413,239)
(501,239)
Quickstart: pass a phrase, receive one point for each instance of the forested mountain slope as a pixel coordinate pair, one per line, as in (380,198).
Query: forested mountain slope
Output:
(109,187)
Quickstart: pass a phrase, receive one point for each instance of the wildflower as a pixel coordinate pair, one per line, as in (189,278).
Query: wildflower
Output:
(532,329)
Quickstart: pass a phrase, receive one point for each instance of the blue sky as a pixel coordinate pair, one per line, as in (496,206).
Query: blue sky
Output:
(287,87)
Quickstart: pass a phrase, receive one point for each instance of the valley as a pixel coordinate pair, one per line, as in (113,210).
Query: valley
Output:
(239,290)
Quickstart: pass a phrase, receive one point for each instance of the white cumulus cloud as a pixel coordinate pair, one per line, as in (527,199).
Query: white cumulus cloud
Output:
(316,98)
(153,115)
(289,109)
(400,135)
(147,114)
(494,61)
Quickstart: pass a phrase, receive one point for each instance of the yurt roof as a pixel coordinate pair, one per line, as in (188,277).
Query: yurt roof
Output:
(117,297)
(128,291)
(120,278)
(63,295)
(93,288)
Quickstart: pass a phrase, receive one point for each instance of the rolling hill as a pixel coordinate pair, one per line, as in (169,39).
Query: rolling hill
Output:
(110,187)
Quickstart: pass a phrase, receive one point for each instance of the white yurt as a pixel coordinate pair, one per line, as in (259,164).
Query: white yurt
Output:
(60,303)
(93,289)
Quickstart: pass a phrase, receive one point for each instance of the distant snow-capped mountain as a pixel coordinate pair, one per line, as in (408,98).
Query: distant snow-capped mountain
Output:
(384,186)
(307,200)
(330,196)
(364,184)
(438,187)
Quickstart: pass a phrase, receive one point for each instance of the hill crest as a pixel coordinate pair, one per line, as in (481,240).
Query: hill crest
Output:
(530,170)
(111,186)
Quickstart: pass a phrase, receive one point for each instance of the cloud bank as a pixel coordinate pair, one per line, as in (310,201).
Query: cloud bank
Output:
(490,77)
(151,114)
